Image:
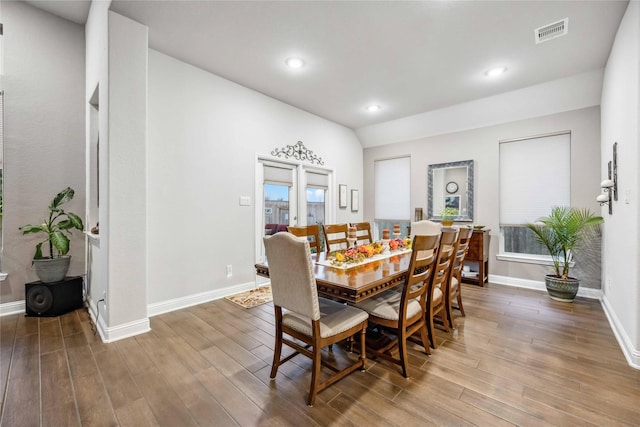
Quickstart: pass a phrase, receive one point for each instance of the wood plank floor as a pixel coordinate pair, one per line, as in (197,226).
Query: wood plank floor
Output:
(518,358)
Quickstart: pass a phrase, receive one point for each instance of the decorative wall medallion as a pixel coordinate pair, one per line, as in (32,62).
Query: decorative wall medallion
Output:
(298,152)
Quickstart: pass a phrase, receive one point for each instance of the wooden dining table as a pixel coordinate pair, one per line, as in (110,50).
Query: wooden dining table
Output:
(356,283)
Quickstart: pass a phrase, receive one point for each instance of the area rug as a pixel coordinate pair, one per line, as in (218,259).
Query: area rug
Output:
(252,298)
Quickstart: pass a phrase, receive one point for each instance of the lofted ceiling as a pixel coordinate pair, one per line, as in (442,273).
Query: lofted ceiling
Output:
(408,57)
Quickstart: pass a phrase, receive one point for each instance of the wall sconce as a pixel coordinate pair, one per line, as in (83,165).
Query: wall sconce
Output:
(610,185)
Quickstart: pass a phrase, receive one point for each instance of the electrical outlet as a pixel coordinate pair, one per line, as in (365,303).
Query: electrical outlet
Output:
(229,270)
(610,284)
(104,298)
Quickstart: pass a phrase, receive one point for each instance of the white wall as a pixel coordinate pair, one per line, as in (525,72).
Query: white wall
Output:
(482,146)
(44,134)
(117,258)
(621,123)
(204,135)
(97,76)
(127,174)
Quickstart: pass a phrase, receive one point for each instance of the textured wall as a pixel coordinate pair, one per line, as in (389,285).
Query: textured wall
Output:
(482,145)
(44,133)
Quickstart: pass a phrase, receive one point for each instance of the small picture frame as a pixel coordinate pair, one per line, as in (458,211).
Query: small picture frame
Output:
(418,215)
(342,196)
(355,200)
(452,202)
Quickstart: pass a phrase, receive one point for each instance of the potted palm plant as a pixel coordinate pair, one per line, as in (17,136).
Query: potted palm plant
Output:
(56,227)
(562,232)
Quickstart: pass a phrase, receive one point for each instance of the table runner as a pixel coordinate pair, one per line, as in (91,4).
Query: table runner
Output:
(384,255)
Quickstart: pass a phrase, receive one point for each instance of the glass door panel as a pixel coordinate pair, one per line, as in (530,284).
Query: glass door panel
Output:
(277,208)
(316,210)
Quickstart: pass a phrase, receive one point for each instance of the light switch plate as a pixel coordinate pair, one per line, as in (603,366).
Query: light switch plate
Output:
(245,201)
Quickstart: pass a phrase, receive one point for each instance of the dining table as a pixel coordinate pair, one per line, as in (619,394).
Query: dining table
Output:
(354,283)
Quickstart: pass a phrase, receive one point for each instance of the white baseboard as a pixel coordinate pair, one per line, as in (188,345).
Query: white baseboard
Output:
(540,286)
(117,332)
(140,326)
(630,353)
(190,300)
(15,307)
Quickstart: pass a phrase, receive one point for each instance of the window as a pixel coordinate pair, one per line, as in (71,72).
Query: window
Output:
(535,175)
(392,194)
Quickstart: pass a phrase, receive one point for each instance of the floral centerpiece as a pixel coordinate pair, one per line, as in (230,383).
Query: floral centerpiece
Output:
(360,253)
(399,244)
(356,254)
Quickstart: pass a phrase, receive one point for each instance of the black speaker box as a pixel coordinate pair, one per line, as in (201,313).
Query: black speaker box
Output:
(53,299)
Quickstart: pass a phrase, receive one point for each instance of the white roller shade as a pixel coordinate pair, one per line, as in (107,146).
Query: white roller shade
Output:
(318,180)
(392,187)
(277,175)
(535,175)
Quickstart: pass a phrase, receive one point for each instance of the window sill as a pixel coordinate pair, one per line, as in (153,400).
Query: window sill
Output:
(94,238)
(528,259)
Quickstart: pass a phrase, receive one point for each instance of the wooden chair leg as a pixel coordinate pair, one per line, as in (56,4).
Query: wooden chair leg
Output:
(315,375)
(431,330)
(277,351)
(363,348)
(445,321)
(449,309)
(402,347)
(460,304)
(425,338)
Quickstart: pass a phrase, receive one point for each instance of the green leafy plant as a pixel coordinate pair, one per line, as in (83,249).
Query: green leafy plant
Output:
(449,213)
(562,232)
(56,227)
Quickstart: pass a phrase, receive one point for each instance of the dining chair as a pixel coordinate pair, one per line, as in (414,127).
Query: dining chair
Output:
(455,277)
(314,322)
(425,228)
(437,291)
(335,236)
(308,231)
(363,233)
(404,313)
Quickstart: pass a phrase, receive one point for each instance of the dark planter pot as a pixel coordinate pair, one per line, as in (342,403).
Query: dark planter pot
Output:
(560,289)
(51,270)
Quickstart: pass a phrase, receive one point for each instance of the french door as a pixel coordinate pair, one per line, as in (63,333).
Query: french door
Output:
(289,194)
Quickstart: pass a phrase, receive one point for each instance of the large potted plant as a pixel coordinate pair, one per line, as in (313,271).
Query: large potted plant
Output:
(56,227)
(562,232)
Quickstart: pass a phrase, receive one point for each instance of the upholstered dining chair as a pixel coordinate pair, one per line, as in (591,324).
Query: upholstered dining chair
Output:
(437,291)
(335,236)
(308,231)
(302,315)
(455,277)
(363,233)
(425,228)
(404,313)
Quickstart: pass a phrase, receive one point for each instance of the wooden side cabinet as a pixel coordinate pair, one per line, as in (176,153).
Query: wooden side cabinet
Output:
(477,258)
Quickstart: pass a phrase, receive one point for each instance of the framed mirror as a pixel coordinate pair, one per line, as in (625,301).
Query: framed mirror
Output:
(450,191)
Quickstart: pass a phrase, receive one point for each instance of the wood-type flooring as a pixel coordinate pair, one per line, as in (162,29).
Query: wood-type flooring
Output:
(517,358)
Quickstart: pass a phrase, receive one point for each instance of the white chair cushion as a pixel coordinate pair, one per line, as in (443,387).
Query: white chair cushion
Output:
(454,283)
(437,295)
(334,319)
(387,305)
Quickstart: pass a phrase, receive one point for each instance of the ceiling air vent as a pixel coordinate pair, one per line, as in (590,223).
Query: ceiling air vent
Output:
(552,31)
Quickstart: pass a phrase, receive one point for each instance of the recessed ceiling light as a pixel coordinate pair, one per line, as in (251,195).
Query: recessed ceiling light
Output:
(373,108)
(496,71)
(294,63)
